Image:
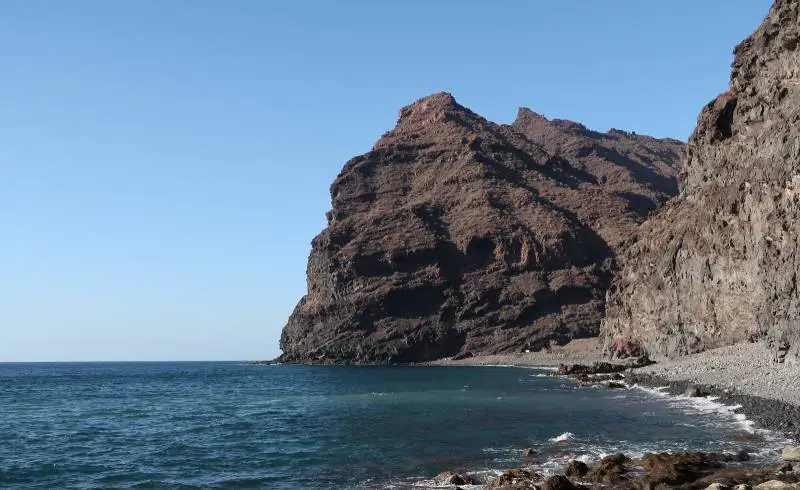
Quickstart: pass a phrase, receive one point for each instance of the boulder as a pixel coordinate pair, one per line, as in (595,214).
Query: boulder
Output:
(675,469)
(453,478)
(611,470)
(791,453)
(717,486)
(528,452)
(558,482)
(515,478)
(693,392)
(777,485)
(576,468)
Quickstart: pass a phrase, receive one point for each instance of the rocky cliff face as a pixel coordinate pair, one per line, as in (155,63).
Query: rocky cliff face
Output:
(455,235)
(720,263)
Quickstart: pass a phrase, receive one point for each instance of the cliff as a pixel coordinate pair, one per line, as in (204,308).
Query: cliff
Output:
(456,235)
(719,264)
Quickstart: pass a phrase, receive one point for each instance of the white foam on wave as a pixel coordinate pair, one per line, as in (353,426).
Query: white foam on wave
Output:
(710,405)
(703,405)
(566,436)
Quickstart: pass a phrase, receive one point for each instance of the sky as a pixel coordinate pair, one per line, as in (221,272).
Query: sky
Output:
(165,164)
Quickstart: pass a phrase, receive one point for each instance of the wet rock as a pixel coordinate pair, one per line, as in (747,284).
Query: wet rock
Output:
(791,453)
(785,468)
(677,468)
(576,468)
(528,452)
(743,486)
(453,478)
(514,479)
(602,367)
(694,392)
(611,470)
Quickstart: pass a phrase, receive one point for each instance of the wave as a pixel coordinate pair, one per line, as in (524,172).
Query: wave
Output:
(566,436)
(710,405)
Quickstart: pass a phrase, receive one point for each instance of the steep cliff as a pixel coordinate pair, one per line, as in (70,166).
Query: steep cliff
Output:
(455,235)
(719,264)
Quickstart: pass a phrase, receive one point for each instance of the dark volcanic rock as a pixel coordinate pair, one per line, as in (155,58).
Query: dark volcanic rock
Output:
(719,264)
(611,470)
(576,468)
(557,482)
(456,235)
(516,479)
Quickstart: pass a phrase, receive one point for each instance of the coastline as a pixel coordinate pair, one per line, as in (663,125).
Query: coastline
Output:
(742,375)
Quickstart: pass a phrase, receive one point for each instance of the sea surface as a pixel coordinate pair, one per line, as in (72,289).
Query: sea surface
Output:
(240,426)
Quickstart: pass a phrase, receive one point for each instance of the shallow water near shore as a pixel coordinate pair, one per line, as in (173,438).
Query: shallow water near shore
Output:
(235,425)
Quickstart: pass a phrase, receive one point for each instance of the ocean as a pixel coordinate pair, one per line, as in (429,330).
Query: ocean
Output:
(227,425)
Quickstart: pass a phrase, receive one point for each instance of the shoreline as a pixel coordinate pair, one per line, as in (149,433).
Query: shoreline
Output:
(722,377)
(773,415)
(742,375)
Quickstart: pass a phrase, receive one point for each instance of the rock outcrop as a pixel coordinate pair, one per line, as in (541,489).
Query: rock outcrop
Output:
(455,235)
(719,264)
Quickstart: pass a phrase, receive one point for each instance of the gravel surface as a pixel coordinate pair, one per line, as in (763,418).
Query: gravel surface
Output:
(743,368)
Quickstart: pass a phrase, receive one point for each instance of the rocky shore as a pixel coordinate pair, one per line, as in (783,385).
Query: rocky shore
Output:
(743,376)
(689,471)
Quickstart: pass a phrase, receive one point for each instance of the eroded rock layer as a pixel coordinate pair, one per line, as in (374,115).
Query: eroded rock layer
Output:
(719,264)
(456,235)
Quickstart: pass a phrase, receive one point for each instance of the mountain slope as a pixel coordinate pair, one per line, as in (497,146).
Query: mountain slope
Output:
(455,235)
(719,264)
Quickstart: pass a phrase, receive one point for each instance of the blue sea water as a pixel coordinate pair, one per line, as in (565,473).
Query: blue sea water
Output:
(236,425)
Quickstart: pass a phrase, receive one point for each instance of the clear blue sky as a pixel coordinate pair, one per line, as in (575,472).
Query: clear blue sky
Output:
(164,165)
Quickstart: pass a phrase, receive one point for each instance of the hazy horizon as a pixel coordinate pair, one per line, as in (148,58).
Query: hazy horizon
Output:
(166,165)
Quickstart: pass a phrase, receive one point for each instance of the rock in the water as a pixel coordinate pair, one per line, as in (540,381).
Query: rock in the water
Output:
(455,234)
(742,486)
(576,468)
(527,452)
(791,453)
(694,392)
(516,479)
(719,264)
(453,478)
(717,486)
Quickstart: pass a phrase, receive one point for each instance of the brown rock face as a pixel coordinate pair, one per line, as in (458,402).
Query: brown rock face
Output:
(719,264)
(456,235)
